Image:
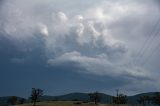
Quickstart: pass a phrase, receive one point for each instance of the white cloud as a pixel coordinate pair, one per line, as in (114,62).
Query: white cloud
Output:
(99,65)
(43,29)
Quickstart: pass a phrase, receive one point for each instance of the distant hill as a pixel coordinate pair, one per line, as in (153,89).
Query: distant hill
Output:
(83,97)
(67,97)
(133,99)
(4,100)
(76,97)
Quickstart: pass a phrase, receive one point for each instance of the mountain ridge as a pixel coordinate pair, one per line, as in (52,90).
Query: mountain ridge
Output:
(78,96)
(105,98)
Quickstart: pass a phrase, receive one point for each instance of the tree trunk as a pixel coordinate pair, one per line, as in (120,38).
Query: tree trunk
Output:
(34,103)
(95,101)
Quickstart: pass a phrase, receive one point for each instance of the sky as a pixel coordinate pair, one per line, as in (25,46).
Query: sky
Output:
(64,46)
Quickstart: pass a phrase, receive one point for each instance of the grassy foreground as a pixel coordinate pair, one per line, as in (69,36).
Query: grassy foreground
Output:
(69,103)
(60,103)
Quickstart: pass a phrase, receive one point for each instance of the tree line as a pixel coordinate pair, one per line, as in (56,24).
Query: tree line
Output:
(148,100)
(95,97)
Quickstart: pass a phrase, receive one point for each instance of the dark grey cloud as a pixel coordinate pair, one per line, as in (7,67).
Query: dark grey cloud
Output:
(102,41)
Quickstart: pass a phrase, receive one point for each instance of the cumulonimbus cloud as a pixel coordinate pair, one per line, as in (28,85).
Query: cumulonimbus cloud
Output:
(97,39)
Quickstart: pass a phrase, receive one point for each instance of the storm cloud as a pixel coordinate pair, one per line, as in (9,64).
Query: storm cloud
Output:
(102,39)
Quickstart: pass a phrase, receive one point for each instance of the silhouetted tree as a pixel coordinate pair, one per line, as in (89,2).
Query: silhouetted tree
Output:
(120,99)
(141,100)
(36,93)
(95,97)
(156,99)
(13,100)
(115,100)
(147,100)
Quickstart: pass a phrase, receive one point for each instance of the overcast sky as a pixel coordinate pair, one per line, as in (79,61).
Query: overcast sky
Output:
(64,46)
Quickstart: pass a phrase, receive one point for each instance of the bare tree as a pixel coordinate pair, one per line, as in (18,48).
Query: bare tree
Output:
(36,93)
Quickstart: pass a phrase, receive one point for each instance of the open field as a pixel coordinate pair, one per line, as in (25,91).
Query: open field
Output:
(66,103)
(62,103)
(59,103)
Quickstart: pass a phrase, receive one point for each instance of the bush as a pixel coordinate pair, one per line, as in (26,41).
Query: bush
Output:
(78,103)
